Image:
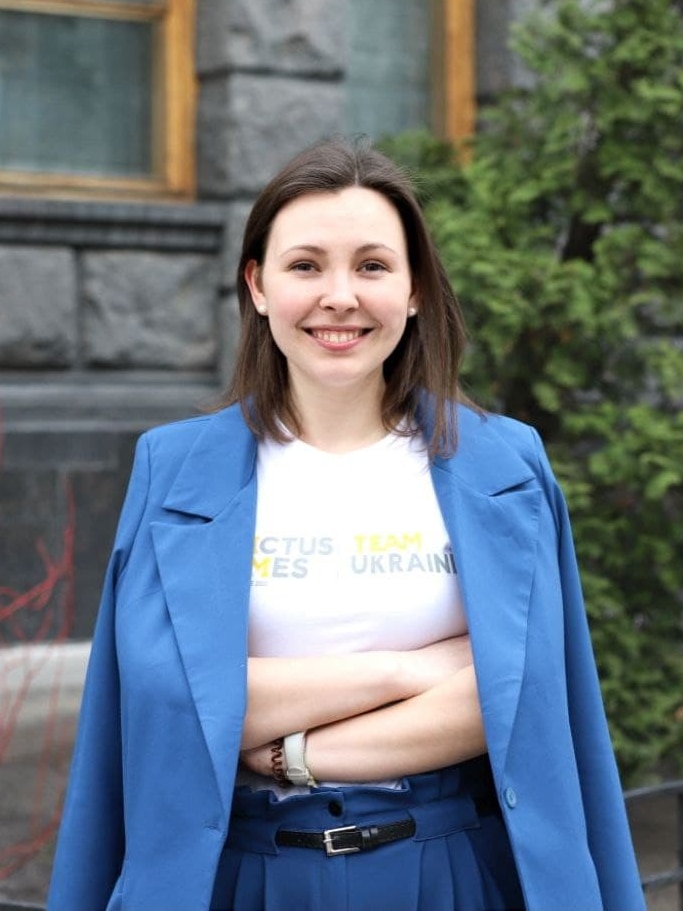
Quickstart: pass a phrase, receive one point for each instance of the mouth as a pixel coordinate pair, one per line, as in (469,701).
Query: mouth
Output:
(337,336)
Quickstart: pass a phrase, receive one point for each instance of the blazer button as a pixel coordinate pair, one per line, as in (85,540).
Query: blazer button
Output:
(510,797)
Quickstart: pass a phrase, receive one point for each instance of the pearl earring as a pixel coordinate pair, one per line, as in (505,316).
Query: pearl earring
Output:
(262,309)
(412,311)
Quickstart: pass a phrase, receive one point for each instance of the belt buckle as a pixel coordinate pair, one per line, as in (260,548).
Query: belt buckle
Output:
(330,849)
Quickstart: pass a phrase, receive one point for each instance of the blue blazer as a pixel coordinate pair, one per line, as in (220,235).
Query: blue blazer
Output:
(149,798)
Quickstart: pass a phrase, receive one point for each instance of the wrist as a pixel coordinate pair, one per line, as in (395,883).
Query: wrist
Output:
(278,763)
(296,768)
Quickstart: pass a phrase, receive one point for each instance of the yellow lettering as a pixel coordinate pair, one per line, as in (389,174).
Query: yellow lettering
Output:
(360,543)
(380,544)
(414,540)
(262,567)
(376,544)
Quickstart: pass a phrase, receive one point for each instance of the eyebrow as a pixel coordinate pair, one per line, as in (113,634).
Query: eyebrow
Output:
(320,251)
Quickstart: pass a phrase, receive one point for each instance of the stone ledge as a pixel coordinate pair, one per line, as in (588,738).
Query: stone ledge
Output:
(60,405)
(194,228)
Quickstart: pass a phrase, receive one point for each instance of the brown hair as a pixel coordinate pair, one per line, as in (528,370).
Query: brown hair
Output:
(426,359)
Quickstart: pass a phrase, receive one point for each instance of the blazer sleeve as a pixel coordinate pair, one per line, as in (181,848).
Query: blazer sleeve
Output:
(91,843)
(606,821)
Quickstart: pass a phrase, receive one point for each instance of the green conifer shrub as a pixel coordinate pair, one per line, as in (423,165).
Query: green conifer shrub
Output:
(563,235)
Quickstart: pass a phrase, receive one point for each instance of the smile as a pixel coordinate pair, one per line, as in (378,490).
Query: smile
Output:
(337,336)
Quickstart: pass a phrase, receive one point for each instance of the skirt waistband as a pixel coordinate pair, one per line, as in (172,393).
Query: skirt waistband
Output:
(439,803)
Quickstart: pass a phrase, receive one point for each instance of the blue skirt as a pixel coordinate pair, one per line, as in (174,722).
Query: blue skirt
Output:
(458,859)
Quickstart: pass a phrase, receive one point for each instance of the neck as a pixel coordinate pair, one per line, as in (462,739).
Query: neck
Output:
(340,420)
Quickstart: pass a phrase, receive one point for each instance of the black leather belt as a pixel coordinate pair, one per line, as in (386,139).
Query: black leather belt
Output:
(347,839)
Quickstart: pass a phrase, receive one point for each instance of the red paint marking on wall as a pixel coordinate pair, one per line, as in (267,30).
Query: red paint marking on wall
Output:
(56,620)
(42,614)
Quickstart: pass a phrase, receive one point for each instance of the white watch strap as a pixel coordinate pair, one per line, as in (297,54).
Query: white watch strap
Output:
(295,757)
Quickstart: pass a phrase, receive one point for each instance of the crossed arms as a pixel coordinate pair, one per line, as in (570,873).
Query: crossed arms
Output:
(369,716)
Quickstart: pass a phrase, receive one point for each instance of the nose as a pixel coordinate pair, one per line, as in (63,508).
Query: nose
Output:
(339,295)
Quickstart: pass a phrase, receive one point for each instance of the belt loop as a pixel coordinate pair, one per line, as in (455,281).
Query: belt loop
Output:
(369,837)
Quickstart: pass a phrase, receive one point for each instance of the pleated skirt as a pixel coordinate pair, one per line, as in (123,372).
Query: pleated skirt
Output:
(459,858)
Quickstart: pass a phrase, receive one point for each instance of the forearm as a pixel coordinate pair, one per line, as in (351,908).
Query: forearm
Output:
(426,732)
(295,694)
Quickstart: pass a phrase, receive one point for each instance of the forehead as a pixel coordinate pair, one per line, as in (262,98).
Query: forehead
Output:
(348,213)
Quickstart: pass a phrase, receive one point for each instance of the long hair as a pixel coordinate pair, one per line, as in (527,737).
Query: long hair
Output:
(426,361)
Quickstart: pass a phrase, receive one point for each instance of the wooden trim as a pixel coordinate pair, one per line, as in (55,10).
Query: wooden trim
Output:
(173,109)
(180,86)
(108,9)
(39,183)
(456,100)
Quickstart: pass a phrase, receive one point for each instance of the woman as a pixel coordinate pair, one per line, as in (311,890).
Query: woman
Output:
(342,659)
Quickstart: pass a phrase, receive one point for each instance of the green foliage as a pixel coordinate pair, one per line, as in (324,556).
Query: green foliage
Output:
(564,238)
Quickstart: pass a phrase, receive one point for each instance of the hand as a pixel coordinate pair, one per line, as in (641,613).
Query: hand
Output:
(426,667)
(258,760)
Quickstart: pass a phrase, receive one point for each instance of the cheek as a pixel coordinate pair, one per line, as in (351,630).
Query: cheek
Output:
(282,322)
(286,309)
(395,315)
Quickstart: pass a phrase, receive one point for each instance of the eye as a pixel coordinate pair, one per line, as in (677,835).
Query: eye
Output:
(373,265)
(303,266)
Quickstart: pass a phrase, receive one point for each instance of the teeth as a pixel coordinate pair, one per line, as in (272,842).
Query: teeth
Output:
(336,337)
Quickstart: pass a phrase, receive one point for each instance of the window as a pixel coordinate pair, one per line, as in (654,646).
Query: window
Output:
(411,66)
(97,96)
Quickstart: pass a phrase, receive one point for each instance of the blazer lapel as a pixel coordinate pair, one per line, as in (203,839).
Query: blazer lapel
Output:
(492,519)
(204,554)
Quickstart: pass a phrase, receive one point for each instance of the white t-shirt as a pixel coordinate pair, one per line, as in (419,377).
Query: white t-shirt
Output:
(351,554)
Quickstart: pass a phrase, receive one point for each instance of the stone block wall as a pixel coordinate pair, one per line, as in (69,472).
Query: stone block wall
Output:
(38,297)
(109,322)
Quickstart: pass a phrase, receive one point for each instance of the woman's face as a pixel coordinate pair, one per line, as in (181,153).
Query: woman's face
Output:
(336,286)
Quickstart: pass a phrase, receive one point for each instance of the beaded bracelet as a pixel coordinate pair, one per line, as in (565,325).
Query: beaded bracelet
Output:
(276,762)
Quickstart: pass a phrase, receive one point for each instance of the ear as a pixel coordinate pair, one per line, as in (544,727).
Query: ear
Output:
(252,276)
(413,304)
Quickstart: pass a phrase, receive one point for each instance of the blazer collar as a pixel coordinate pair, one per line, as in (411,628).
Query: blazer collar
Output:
(483,461)
(220,463)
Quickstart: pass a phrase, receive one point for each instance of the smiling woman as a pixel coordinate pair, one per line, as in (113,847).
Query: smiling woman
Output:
(372,684)
(374,283)
(337,307)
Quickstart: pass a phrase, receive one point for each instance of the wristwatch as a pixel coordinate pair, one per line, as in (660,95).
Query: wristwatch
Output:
(295,756)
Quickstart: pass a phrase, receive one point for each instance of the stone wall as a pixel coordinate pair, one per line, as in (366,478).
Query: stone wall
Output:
(109,322)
